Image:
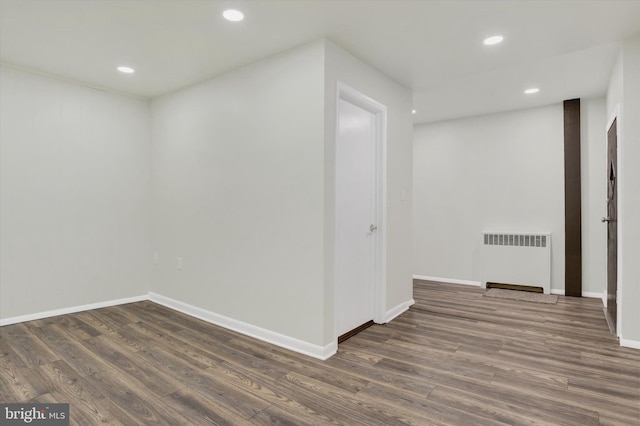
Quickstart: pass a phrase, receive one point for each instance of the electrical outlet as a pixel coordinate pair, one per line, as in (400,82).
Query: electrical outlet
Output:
(179,263)
(156,258)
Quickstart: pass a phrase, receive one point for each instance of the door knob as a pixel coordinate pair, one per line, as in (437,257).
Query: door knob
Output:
(606,219)
(372,228)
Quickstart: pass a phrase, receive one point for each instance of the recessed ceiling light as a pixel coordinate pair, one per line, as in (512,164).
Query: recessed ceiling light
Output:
(493,40)
(413,111)
(532,91)
(233,15)
(126,70)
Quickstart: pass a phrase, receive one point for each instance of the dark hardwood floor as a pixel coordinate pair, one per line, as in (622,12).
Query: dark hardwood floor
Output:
(455,358)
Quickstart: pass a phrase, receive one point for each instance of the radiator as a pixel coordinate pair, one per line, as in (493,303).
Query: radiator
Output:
(520,259)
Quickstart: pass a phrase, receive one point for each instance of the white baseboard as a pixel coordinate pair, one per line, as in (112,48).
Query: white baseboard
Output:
(300,346)
(398,310)
(447,280)
(589,294)
(71,310)
(634,344)
(287,342)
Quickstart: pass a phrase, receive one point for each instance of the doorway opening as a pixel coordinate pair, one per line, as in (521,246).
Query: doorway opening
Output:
(611,219)
(360,231)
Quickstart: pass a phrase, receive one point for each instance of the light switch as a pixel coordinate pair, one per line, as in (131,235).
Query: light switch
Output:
(179,263)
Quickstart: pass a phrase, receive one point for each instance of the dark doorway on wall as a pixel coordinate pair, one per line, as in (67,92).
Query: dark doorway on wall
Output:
(612,226)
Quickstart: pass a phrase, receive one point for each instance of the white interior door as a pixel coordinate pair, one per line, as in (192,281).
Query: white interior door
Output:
(355,216)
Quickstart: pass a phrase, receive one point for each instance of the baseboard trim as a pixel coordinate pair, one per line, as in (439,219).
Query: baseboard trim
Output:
(447,280)
(71,310)
(287,342)
(393,313)
(589,294)
(634,344)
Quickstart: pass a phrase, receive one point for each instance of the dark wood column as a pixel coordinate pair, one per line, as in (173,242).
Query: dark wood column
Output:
(572,200)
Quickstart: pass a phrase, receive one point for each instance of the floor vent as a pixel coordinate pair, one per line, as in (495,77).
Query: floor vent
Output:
(517,259)
(355,331)
(528,288)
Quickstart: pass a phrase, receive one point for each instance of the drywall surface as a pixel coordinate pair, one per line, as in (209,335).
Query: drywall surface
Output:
(629,186)
(238,194)
(593,152)
(496,173)
(623,102)
(614,90)
(74,195)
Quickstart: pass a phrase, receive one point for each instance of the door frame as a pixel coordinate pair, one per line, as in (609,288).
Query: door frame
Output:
(616,116)
(349,94)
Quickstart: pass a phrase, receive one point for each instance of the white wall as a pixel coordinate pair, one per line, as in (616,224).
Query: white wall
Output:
(614,90)
(501,173)
(593,154)
(623,100)
(74,195)
(629,187)
(342,66)
(243,175)
(238,184)
(238,193)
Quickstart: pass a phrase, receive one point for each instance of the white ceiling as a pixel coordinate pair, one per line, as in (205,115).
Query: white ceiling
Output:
(567,48)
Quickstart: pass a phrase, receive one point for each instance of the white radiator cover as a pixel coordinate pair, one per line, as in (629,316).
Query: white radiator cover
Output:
(517,258)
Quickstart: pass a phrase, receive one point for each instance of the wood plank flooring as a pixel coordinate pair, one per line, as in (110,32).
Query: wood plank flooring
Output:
(455,358)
